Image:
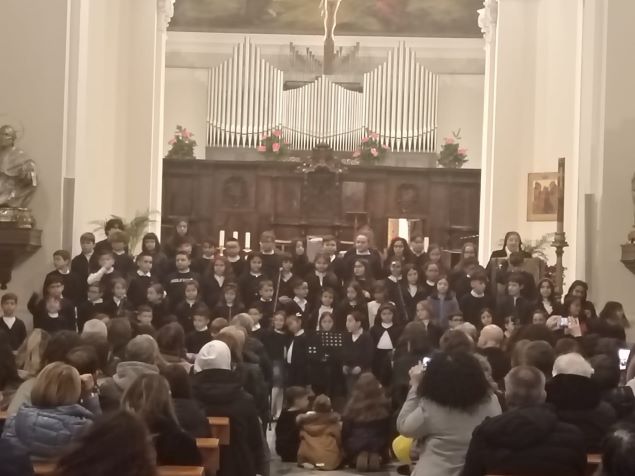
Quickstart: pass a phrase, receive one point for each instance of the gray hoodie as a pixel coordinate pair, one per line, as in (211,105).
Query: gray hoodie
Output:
(112,389)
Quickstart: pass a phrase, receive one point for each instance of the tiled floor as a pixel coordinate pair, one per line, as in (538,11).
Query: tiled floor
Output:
(278,468)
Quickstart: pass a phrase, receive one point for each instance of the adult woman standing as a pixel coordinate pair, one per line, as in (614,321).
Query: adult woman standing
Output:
(446,401)
(511,243)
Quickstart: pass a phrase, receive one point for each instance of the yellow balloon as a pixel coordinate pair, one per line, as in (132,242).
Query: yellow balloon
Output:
(401,447)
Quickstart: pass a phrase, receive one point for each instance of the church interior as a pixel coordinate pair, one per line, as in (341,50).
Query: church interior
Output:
(282,126)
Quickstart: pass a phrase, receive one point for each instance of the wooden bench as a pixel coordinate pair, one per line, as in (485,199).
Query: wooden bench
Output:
(210,452)
(46,469)
(219,427)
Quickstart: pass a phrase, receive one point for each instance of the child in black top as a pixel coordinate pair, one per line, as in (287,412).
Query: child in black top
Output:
(94,304)
(353,301)
(10,324)
(321,278)
(417,245)
(203,263)
(117,305)
(325,304)
(362,274)
(385,334)
(105,273)
(412,291)
(265,302)
(325,361)
(51,318)
(257,331)
(150,245)
(336,264)
(297,353)
(80,263)
(269,255)
(300,305)
(221,272)
(232,253)
(514,304)
(471,304)
(200,335)
(175,283)
(394,287)
(287,432)
(124,264)
(53,287)
(160,307)
(301,265)
(431,272)
(184,311)
(286,279)
(276,340)
(229,305)
(141,280)
(357,350)
(249,282)
(74,288)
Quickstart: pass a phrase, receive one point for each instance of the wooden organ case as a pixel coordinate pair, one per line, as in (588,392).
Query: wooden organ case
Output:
(317,196)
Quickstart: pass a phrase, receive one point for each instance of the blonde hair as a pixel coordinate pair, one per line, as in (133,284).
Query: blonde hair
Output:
(56,385)
(29,356)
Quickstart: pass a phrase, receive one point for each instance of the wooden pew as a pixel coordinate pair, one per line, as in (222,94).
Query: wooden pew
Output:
(46,469)
(220,429)
(210,452)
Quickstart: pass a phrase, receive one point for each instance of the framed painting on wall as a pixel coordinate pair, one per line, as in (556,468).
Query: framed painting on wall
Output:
(542,196)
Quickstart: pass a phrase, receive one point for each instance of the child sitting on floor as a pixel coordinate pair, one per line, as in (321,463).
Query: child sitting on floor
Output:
(287,433)
(320,437)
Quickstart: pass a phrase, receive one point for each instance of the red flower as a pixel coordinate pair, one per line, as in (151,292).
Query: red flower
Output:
(261,148)
(374,152)
(448,140)
(462,152)
(364,140)
(357,153)
(277,133)
(275,147)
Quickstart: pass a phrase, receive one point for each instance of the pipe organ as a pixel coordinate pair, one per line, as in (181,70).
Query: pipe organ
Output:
(248,99)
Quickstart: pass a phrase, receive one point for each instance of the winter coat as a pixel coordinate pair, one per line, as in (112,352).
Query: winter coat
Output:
(191,417)
(443,433)
(288,435)
(174,447)
(112,389)
(527,440)
(578,401)
(320,440)
(46,432)
(373,436)
(220,393)
(14,462)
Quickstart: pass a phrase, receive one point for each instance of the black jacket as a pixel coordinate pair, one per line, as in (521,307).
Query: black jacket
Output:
(527,440)
(521,310)
(74,287)
(578,401)
(220,393)
(499,361)
(173,446)
(358,353)
(330,280)
(471,307)
(86,310)
(138,289)
(288,435)
(191,417)
(16,334)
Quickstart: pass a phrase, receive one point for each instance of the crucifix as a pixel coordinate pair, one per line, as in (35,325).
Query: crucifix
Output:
(329,9)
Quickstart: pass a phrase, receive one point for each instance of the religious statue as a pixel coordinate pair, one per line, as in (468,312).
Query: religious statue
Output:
(17,172)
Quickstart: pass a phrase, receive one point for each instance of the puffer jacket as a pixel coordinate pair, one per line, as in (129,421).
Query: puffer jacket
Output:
(112,389)
(45,432)
(320,440)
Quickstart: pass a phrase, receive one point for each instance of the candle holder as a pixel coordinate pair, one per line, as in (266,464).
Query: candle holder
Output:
(559,243)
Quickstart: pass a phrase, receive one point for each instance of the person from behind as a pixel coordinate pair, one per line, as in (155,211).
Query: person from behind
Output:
(607,375)
(445,403)
(490,344)
(618,451)
(287,431)
(188,411)
(10,324)
(320,436)
(149,397)
(116,444)
(578,399)
(366,426)
(220,392)
(171,341)
(54,418)
(527,439)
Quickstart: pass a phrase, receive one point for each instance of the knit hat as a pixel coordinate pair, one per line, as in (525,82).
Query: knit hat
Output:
(213,355)
(572,364)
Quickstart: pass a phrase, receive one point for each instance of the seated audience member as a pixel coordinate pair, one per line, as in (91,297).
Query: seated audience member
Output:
(413,346)
(577,399)
(13,461)
(217,325)
(54,418)
(527,439)
(219,390)
(470,329)
(366,425)
(287,431)
(115,444)
(606,374)
(99,344)
(444,405)
(95,327)
(10,324)
(9,378)
(171,341)
(454,340)
(618,451)
(55,350)
(490,344)
(141,357)
(29,356)
(188,411)
(149,397)
(611,322)
(541,355)
(567,345)
(320,436)
(119,334)
(254,345)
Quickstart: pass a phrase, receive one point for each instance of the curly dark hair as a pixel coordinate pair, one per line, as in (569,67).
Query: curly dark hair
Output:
(117,443)
(368,401)
(455,380)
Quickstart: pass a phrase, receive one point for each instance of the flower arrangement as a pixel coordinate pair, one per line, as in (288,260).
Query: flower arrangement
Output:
(451,154)
(273,145)
(135,228)
(371,150)
(182,143)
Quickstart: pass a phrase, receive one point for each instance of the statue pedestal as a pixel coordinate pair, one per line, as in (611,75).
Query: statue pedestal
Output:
(15,245)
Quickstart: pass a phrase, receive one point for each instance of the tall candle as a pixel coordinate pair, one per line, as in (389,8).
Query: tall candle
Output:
(247,241)
(426,243)
(235,234)
(221,238)
(560,215)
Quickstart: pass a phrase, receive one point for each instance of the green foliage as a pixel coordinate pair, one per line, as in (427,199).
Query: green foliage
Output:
(371,149)
(182,144)
(452,155)
(273,145)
